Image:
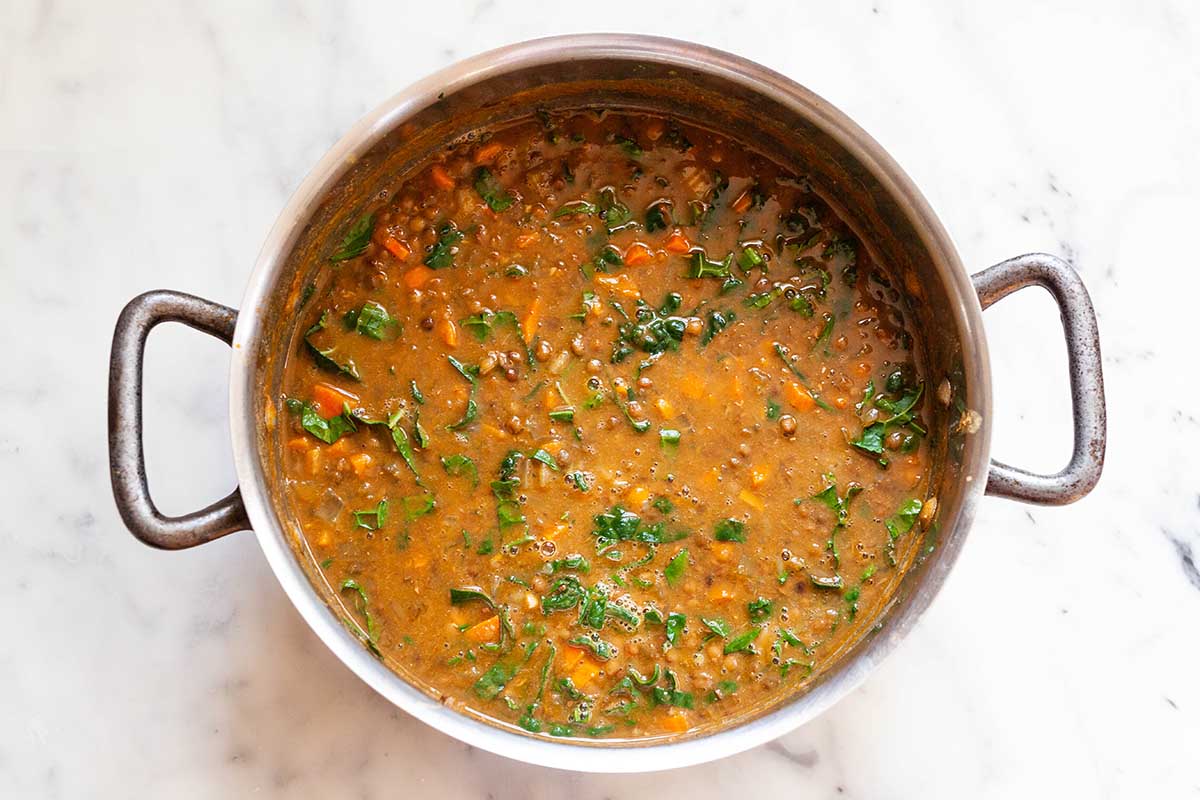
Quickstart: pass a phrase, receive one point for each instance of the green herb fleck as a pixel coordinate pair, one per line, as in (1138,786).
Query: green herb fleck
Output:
(364,606)
(599,648)
(742,641)
(675,625)
(489,189)
(372,519)
(458,465)
(441,255)
(730,530)
(675,568)
(355,242)
(759,609)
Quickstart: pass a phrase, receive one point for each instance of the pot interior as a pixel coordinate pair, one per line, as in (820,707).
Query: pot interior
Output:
(746,103)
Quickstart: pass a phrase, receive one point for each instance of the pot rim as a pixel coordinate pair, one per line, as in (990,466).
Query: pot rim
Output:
(244,401)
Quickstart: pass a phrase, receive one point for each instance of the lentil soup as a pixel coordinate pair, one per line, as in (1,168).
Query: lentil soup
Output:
(606,426)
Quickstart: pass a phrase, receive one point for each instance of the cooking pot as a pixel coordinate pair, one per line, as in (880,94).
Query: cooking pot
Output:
(754,105)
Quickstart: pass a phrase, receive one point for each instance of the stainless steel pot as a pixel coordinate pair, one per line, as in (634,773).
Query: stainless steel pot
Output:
(637,72)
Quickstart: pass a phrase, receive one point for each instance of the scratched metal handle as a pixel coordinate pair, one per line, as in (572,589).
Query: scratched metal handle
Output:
(126,457)
(1087,380)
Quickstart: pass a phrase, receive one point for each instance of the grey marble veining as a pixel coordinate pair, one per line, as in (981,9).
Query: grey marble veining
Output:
(151,145)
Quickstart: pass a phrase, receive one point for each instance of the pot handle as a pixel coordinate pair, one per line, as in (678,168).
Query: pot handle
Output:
(1087,379)
(126,459)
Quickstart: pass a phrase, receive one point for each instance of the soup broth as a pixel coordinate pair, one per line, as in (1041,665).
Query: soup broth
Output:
(606,426)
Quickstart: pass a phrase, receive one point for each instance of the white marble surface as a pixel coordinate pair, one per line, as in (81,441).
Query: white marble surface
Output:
(148,145)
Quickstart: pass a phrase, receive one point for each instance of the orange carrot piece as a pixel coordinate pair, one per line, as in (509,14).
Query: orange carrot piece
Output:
(798,396)
(675,721)
(665,407)
(758,476)
(529,325)
(441,178)
(655,128)
(330,400)
(448,332)
(637,496)
(720,593)
(397,248)
(487,154)
(523,240)
(556,530)
(723,551)
(585,672)
(751,499)
(620,283)
(361,462)
(571,656)
(677,243)
(418,276)
(637,254)
(486,631)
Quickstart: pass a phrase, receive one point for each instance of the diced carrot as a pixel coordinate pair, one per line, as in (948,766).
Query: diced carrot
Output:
(620,283)
(723,551)
(798,396)
(330,400)
(529,324)
(677,243)
(448,332)
(654,129)
(550,400)
(751,500)
(665,408)
(418,276)
(338,448)
(585,672)
(523,240)
(675,721)
(441,178)
(637,495)
(397,248)
(758,476)
(741,203)
(556,530)
(361,462)
(637,254)
(487,154)
(299,445)
(720,593)
(312,460)
(841,402)
(570,657)
(486,631)
(491,430)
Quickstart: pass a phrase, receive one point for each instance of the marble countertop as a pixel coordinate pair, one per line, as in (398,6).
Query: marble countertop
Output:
(151,145)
